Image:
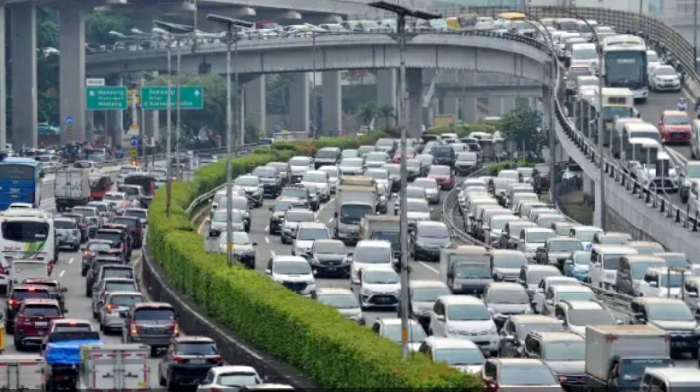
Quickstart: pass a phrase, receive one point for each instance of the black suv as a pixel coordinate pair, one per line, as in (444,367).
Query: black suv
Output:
(270,179)
(282,204)
(99,262)
(187,361)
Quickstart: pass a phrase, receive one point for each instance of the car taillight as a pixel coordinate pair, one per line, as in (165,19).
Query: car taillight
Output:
(215,359)
(108,308)
(215,389)
(81,225)
(179,359)
(13,302)
(4,270)
(134,329)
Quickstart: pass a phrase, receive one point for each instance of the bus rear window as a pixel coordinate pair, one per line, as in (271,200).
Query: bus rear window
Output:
(26,293)
(17,172)
(25,231)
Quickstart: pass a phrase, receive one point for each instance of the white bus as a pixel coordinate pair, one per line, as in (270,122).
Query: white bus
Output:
(25,234)
(625,64)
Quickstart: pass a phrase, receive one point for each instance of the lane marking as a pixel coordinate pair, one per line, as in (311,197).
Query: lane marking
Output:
(61,274)
(267,228)
(201,226)
(71,260)
(429,268)
(267,240)
(272,252)
(330,220)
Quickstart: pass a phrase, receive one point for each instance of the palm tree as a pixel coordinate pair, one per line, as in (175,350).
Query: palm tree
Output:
(388,113)
(367,113)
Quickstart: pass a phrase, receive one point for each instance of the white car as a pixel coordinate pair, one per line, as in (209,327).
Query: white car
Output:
(306,234)
(292,272)
(461,354)
(298,166)
(653,60)
(322,182)
(418,210)
(532,238)
(380,175)
(464,317)
(253,188)
(379,287)
(352,166)
(292,219)
(229,378)
(18,206)
(334,176)
(585,234)
(118,200)
(664,78)
(370,253)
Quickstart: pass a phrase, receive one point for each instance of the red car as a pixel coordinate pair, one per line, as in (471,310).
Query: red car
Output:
(674,127)
(410,153)
(33,319)
(443,175)
(19,293)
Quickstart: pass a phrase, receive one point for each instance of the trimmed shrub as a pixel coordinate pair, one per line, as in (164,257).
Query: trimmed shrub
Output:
(333,351)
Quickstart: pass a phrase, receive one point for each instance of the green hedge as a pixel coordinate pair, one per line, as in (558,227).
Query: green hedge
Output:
(333,351)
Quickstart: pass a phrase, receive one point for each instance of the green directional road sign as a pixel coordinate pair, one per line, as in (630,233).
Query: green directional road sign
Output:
(156,97)
(106,98)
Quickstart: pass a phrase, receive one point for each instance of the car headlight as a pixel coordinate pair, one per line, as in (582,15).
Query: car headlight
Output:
(420,244)
(366,292)
(451,331)
(493,330)
(311,287)
(397,292)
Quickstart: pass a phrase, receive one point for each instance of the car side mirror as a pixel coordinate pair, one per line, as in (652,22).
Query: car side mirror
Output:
(255,244)
(440,317)
(268,272)
(64,289)
(549,302)
(271,208)
(654,284)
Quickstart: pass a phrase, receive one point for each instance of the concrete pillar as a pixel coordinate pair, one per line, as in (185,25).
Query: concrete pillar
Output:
(240,115)
(495,106)
(3,78)
(450,106)
(469,112)
(508,104)
(255,103)
(598,207)
(72,70)
(299,103)
(331,91)
(414,87)
(89,124)
(150,124)
(387,90)
(24,83)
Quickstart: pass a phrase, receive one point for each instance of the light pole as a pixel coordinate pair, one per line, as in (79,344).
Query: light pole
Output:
(231,25)
(314,107)
(169,29)
(401,13)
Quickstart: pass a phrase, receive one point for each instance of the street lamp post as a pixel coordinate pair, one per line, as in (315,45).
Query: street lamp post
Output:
(401,13)
(314,107)
(170,29)
(178,112)
(231,26)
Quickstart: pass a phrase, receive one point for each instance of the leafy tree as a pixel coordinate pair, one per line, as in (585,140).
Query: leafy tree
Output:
(520,126)
(252,131)
(99,23)
(367,113)
(387,113)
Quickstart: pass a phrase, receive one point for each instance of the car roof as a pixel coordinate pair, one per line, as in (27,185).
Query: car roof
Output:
(460,300)
(312,225)
(28,287)
(426,283)
(506,286)
(40,301)
(538,267)
(533,319)
(583,304)
(333,290)
(373,243)
(192,339)
(394,321)
(571,289)
(288,258)
(558,336)
(438,342)
(153,305)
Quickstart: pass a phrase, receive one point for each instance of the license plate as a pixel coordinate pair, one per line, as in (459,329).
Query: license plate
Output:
(197,361)
(331,269)
(123,314)
(678,344)
(41,324)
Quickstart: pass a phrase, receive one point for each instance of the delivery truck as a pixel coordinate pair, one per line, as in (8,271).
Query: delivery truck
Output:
(617,355)
(382,227)
(466,269)
(63,360)
(22,372)
(115,367)
(352,203)
(71,188)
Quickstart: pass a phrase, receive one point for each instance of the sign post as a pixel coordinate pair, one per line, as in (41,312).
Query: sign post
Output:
(156,97)
(69,128)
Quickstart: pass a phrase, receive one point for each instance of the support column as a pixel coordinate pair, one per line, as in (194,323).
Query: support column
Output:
(255,108)
(331,91)
(495,106)
(598,207)
(299,103)
(469,112)
(150,124)
(241,116)
(386,91)
(72,70)
(3,83)
(24,83)
(450,106)
(508,104)
(414,85)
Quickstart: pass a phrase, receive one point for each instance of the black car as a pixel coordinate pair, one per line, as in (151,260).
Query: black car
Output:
(428,239)
(119,235)
(541,177)
(270,179)
(282,204)
(99,262)
(443,155)
(91,250)
(134,226)
(187,361)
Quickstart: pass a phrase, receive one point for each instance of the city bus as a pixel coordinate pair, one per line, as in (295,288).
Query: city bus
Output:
(25,234)
(617,103)
(20,182)
(625,64)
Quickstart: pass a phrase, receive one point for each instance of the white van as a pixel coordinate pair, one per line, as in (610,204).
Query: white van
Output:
(605,261)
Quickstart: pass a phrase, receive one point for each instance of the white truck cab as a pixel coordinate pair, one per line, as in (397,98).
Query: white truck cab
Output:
(605,261)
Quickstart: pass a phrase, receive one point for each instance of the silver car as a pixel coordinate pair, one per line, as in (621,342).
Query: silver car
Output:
(105,209)
(92,215)
(109,285)
(115,307)
(67,233)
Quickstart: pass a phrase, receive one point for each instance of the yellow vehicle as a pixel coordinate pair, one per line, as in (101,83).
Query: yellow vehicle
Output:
(462,22)
(617,103)
(511,16)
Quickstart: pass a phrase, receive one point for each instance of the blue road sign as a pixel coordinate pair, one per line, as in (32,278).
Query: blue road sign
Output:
(134,141)
(69,120)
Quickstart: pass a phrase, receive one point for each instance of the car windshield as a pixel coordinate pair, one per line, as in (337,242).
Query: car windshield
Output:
(284,205)
(332,171)
(510,260)
(669,312)
(265,172)
(351,162)
(584,54)
(339,301)
(665,71)
(576,295)
(247,181)
(428,294)
(466,157)
(113,197)
(238,379)
(350,153)
(197,348)
(499,223)
(526,375)
(136,213)
(648,249)
(113,236)
(237,238)
(85,211)
(326,154)
(535,277)
(372,254)
(472,271)
(538,237)
(127,170)
(300,216)
(221,216)
(64,224)
(514,297)
(565,351)
(330,248)
(120,286)
(415,193)
(425,183)
(416,334)
(72,327)
(417,206)
(432,232)
(376,157)
(440,170)
(380,277)
(154,314)
(311,234)
(670,280)
(299,161)
(464,312)
(316,177)
(634,368)
(565,246)
(512,175)
(524,329)
(127,273)
(582,258)
(459,356)
(98,246)
(676,120)
(675,261)
(125,300)
(590,317)
(586,235)
(291,268)
(41,310)
(378,174)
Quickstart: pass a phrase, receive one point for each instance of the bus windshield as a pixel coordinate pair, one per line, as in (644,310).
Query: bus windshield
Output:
(625,68)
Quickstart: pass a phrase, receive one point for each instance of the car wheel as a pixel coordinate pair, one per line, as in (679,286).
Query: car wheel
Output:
(161,380)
